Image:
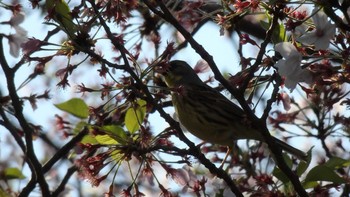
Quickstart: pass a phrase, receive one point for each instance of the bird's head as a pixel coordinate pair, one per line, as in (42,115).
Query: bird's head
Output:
(180,73)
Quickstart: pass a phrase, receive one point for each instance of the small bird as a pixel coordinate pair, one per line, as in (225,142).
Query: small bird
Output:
(208,114)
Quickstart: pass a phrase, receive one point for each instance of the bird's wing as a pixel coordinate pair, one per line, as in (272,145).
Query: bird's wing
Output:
(216,101)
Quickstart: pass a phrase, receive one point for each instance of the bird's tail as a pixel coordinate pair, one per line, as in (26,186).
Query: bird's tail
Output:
(290,149)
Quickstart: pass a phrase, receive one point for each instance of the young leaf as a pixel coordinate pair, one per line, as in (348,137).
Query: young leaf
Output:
(116,132)
(323,173)
(336,162)
(114,135)
(88,139)
(135,115)
(13,173)
(106,140)
(4,193)
(75,106)
(62,15)
(79,126)
(279,174)
(117,155)
(303,165)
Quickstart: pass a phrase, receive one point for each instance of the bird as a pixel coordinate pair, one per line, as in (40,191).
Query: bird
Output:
(208,114)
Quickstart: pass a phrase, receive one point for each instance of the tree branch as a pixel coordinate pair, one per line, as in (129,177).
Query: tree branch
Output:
(59,154)
(32,160)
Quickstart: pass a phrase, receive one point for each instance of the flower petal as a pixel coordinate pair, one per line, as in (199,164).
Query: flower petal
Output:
(286,49)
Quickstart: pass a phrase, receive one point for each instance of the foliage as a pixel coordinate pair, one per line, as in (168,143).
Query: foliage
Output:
(292,80)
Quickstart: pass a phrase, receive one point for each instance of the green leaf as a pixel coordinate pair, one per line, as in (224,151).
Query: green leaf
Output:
(105,140)
(117,155)
(79,126)
(327,172)
(135,115)
(303,165)
(288,160)
(13,173)
(279,35)
(310,184)
(265,25)
(280,175)
(76,107)
(336,163)
(4,193)
(88,139)
(61,13)
(323,173)
(116,132)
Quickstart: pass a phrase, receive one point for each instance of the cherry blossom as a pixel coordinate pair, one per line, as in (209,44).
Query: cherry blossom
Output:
(16,20)
(15,41)
(201,66)
(289,66)
(20,37)
(323,33)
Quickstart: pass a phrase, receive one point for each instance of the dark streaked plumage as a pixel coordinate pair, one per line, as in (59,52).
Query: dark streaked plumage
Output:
(209,115)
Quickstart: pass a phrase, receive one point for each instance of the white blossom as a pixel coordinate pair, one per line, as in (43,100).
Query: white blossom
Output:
(16,19)
(15,40)
(323,33)
(289,66)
